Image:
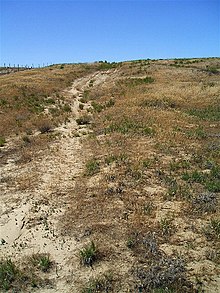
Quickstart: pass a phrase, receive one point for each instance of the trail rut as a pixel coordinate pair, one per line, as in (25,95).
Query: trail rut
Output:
(29,218)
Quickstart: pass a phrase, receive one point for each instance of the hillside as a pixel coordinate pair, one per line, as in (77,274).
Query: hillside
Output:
(110,177)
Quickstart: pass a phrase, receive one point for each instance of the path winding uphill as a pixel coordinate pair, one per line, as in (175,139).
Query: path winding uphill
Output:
(34,195)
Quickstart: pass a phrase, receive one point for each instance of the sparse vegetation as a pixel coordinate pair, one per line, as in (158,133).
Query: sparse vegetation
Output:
(92,167)
(135,167)
(88,254)
(2,141)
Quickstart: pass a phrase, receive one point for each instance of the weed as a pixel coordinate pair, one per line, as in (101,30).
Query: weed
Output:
(160,104)
(212,231)
(139,81)
(165,273)
(97,107)
(211,113)
(212,69)
(83,120)
(45,127)
(213,255)
(92,167)
(2,141)
(110,103)
(88,254)
(166,226)
(116,158)
(205,203)
(126,126)
(100,284)
(67,108)
(81,106)
(26,139)
(197,133)
(41,261)
(148,208)
(8,273)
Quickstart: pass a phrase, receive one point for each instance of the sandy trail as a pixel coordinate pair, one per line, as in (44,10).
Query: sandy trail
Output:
(30,217)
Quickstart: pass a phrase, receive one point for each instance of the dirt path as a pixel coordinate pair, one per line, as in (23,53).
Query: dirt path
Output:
(29,216)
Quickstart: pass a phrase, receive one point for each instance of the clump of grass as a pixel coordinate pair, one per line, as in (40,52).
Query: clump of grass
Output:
(92,167)
(211,181)
(81,106)
(139,81)
(197,133)
(26,139)
(42,261)
(2,141)
(213,255)
(67,108)
(83,120)
(103,283)
(9,273)
(160,104)
(212,231)
(148,208)
(116,158)
(205,203)
(126,126)
(166,226)
(165,273)
(211,113)
(212,69)
(88,254)
(97,107)
(45,127)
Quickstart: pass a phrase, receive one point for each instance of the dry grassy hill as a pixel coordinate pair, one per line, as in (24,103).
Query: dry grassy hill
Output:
(110,177)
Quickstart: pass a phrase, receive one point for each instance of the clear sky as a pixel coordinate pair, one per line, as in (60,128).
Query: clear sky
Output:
(66,31)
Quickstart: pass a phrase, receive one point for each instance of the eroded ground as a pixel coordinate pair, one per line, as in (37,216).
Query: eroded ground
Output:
(123,195)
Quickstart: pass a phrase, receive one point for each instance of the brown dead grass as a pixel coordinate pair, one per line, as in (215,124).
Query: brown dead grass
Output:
(135,204)
(139,187)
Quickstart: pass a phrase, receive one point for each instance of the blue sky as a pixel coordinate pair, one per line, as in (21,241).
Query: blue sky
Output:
(61,31)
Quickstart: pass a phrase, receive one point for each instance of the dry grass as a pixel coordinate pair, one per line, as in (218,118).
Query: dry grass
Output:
(151,185)
(144,143)
(24,96)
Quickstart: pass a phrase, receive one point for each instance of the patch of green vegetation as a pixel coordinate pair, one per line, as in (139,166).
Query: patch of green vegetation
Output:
(126,126)
(212,231)
(50,101)
(67,108)
(97,107)
(212,69)
(166,226)
(161,104)
(116,158)
(197,133)
(2,141)
(41,261)
(92,167)
(138,81)
(211,113)
(148,208)
(8,274)
(210,180)
(88,254)
(104,65)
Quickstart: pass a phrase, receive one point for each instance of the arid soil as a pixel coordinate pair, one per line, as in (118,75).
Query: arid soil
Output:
(132,170)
